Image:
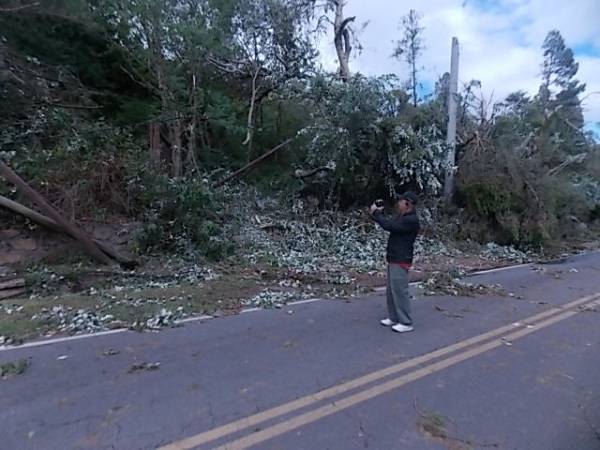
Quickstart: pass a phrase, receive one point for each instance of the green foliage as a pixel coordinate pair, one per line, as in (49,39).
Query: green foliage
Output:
(488,199)
(527,176)
(83,52)
(410,47)
(183,216)
(85,170)
(363,129)
(83,79)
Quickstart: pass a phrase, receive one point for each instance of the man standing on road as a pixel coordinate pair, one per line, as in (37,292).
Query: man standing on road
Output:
(403,229)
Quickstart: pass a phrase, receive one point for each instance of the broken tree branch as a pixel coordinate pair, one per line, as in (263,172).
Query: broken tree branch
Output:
(251,164)
(9,293)
(36,198)
(250,128)
(139,80)
(18,8)
(302,173)
(575,159)
(341,39)
(65,106)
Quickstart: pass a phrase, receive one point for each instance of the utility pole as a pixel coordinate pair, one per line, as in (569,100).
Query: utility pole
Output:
(451,137)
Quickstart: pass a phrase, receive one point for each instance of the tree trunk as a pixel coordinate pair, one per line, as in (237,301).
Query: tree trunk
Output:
(341,40)
(176,166)
(36,198)
(250,122)
(192,144)
(154,141)
(414,72)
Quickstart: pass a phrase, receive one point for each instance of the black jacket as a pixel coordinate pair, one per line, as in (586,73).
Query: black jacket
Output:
(403,232)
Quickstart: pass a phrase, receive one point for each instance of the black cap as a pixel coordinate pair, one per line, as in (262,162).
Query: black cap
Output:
(409,196)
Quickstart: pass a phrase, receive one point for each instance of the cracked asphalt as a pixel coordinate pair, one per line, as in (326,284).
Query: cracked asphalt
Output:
(540,391)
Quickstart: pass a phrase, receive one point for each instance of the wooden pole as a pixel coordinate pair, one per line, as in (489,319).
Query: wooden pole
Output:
(126,261)
(451,136)
(251,164)
(30,214)
(87,243)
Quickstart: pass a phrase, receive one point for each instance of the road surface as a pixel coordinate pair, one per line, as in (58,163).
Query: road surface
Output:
(520,371)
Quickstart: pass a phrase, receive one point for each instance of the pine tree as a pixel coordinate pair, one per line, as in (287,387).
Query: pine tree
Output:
(411,47)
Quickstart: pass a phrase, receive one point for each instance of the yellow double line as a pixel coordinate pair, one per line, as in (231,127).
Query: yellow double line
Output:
(487,341)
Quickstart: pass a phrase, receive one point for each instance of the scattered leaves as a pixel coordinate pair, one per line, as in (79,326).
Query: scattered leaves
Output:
(14,368)
(144,367)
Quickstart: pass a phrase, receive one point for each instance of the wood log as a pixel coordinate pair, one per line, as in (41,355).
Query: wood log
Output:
(35,216)
(12,284)
(11,205)
(9,293)
(86,242)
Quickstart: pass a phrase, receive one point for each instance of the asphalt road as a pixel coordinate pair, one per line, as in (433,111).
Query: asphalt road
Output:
(520,371)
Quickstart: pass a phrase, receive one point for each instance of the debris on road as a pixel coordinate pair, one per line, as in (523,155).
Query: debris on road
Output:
(288,256)
(110,352)
(144,367)
(448,313)
(272,299)
(441,283)
(14,368)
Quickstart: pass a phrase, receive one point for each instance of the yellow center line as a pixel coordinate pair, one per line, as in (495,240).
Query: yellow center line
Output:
(311,399)
(368,394)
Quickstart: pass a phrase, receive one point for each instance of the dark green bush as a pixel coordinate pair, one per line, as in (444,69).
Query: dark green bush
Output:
(183,216)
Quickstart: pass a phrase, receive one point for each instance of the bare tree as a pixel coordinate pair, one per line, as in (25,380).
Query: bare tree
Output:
(342,38)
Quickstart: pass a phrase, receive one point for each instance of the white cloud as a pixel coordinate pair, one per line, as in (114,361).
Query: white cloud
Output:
(500,40)
(589,72)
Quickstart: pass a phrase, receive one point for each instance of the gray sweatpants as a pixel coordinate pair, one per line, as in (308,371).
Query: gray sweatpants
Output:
(398,298)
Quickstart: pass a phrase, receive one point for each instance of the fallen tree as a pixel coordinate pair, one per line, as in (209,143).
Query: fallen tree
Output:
(108,250)
(238,173)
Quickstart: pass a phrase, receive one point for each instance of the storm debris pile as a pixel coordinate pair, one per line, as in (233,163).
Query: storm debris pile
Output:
(443,283)
(495,252)
(273,299)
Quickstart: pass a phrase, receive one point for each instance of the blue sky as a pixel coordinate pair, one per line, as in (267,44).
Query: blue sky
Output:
(500,41)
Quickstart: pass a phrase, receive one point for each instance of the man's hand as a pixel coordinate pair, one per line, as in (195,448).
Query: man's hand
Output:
(374,208)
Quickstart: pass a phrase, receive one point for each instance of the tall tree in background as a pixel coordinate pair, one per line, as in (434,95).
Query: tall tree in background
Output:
(559,67)
(150,31)
(269,44)
(410,47)
(561,114)
(342,38)
(560,88)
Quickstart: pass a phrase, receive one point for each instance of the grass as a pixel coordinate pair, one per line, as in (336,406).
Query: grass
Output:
(27,317)
(132,300)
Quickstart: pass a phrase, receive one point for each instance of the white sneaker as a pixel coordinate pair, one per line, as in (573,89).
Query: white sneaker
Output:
(386,322)
(402,328)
